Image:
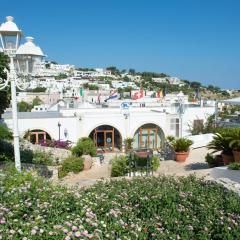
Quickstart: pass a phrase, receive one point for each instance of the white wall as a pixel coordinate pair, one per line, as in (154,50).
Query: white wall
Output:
(193,113)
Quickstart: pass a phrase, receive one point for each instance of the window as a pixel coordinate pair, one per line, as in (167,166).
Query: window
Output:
(174,126)
(197,123)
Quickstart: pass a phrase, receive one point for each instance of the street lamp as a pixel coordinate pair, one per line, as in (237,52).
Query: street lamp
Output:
(21,64)
(180,110)
(59,131)
(65,133)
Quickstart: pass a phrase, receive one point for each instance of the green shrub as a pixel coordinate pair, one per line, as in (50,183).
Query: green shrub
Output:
(234,166)
(119,166)
(71,164)
(44,158)
(6,151)
(221,141)
(5,133)
(211,160)
(181,144)
(128,144)
(235,139)
(170,138)
(155,162)
(84,146)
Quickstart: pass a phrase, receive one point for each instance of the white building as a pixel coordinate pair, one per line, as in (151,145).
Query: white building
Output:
(122,84)
(109,126)
(97,72)
(62,67)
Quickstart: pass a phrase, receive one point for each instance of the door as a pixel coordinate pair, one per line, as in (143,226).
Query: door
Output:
(144,138)
(109,141)
(152,143)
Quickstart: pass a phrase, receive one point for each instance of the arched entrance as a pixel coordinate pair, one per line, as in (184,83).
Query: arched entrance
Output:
(107,138)
(148,136)
(37,136)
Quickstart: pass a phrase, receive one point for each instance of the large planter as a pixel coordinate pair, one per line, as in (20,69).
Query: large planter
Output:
(227,158)
(181,156)
(219,160)
(236,155)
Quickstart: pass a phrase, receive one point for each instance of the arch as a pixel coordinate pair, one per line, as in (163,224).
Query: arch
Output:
(148,136)
(37,135)
(107,138)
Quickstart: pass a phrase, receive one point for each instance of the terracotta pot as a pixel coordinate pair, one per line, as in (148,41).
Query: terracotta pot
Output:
(219,160)
(236,155)
(227,158)
(181,156)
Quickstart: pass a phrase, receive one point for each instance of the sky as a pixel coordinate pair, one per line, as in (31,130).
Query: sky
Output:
(197,40)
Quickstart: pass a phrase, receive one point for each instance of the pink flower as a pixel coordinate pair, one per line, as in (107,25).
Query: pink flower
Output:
(33,232)
(2,221)
(74,228)
(85,233)
(77,234)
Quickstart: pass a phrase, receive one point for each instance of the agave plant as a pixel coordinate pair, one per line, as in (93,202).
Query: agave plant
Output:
(181,144)
(235,140)
(221,142)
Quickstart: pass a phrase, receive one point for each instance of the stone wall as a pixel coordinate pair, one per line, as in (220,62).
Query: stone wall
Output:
(57,154)
(50,172)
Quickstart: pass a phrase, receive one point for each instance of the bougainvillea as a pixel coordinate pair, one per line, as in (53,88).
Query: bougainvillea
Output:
(56,144)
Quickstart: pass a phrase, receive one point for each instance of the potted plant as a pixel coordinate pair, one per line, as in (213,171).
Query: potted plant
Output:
(213,161)
(181,147)
(235,144)
(221,143)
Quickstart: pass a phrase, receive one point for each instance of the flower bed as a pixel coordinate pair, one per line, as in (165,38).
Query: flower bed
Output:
(152,208)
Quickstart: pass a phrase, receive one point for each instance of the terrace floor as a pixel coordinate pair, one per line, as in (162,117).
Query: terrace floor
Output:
(195,164)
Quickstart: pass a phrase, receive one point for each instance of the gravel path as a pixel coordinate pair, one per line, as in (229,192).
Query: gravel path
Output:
(195,164)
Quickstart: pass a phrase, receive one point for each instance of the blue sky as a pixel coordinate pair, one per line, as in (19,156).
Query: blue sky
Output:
(198,40)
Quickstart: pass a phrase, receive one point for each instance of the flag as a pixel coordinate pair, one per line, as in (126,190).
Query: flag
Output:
(113,95)
(159,94)
(81,92)
(138,95)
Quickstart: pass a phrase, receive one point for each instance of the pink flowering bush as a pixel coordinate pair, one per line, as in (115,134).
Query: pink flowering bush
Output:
(56,144)
(143,208)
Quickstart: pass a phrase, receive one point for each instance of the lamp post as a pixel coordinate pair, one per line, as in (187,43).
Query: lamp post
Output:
(21,64)
(65,133)
(180,112)
(59,131)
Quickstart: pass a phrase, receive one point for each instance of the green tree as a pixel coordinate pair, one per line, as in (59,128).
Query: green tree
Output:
(132,71)
(61,76)
(113,70)
(93,87)
(195,85)
(24,107)
(36,101)
(4,94)
(126,79)
(5,133)
(37,89)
